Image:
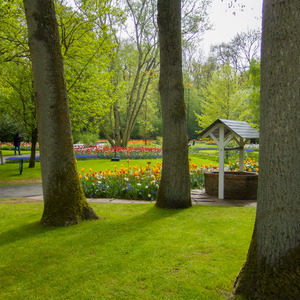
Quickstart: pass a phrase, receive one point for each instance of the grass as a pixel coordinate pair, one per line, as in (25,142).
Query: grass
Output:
(135,252)
(9,173)
(12,152)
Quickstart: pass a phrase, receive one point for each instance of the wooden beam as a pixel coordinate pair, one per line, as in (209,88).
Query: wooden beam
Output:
(234,148)
(214,138)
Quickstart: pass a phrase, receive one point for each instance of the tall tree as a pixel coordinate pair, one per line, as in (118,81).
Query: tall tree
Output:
(174,189)
(137,59)
(138,54)
(272,270)
(86,52)
(64,200)
(86,49)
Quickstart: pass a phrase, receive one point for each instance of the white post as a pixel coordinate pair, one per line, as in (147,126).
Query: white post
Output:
(221,161)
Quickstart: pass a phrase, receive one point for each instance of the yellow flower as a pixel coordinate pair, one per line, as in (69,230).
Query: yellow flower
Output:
(90,169)
(80,176)
(86,178)
(82,170)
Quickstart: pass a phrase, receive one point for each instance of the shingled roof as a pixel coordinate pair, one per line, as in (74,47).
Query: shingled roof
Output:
(240,128)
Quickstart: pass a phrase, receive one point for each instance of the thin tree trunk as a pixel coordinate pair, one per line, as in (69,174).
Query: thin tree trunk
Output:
(34,138)
(108,137)
(174,189)
(64,200)
(272,268)
(117,123)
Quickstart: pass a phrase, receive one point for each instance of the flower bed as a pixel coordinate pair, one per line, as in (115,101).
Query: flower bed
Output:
(105,152)
(10,146)
(121,152)
(132,182)
(250,165)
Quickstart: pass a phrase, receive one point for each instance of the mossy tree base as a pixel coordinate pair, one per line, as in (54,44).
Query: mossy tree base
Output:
(70,216)
(259,280)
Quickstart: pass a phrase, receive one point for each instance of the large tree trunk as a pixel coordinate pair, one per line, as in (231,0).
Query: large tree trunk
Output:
(64,200)
(174,189)
(272,268)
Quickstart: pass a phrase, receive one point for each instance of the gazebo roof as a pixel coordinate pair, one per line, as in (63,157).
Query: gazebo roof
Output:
(240,128)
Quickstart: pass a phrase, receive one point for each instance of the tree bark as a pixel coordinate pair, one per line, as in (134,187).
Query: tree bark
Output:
(34,138)
(174,189)
(64,200)
(272,268)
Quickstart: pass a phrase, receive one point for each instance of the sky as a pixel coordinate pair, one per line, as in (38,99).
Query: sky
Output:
(227,25)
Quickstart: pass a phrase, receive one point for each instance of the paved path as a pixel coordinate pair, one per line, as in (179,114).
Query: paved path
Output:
(199,197)
(20,191)
(19,156)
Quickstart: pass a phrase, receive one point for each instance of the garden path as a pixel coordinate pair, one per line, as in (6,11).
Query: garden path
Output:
(199,197)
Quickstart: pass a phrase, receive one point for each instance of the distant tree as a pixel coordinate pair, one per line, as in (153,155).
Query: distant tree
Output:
(64,200)
(16,79)
(272,270)
(240,51)
(87,52)
(224,97)
(254,92)
(174,188)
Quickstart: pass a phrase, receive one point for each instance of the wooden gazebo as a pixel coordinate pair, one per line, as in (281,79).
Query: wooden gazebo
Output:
(222,132)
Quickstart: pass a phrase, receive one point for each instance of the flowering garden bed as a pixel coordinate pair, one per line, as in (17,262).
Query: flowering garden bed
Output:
(132,182)
(121,152)
(105,152)
(250,165)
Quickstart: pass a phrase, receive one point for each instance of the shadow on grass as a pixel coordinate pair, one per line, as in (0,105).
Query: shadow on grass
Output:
(115,227)
(23,232)
(133,227)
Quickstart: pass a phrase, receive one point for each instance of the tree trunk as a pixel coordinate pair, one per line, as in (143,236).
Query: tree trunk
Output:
(272,268)
(174,189)
(64,200)
(34,137)
(117,123)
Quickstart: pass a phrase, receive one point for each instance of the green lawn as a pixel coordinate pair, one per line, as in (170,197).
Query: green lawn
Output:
(135,252)
(9,173)
(12,152)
